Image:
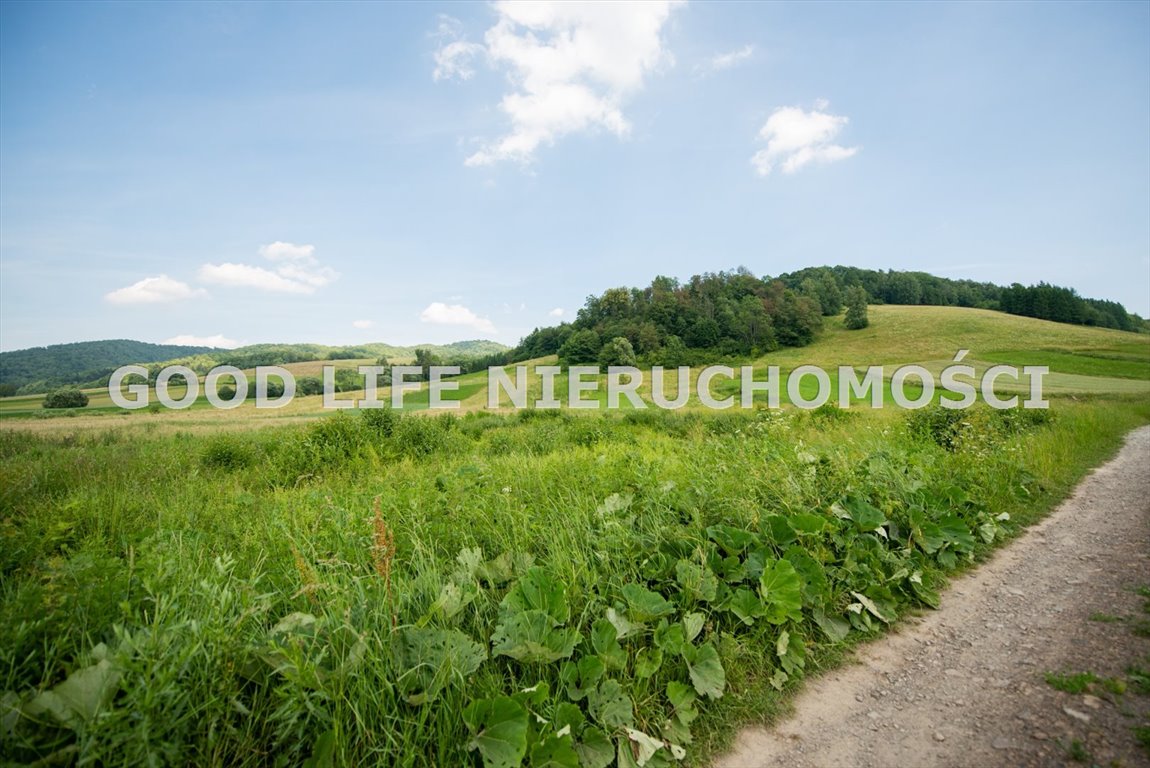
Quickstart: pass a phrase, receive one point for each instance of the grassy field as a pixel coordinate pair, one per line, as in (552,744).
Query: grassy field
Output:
(1082,361)
(535,588)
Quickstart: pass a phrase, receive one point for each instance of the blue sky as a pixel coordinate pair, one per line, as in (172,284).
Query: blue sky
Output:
(351,172)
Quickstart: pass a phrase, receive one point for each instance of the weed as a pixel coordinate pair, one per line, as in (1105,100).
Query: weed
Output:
(1071,683)
(1106,618)
(1078,752)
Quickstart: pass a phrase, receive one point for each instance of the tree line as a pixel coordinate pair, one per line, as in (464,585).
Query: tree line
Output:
(734,314)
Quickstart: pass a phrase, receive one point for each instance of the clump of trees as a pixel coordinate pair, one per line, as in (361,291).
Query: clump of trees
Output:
(669,323)
(856,317)
(66,397)
(1043,301)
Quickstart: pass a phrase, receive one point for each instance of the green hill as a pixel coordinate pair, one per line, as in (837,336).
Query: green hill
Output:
(40,368)
(89,363)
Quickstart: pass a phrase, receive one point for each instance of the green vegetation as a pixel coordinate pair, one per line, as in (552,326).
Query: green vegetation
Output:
(486,588)
(67,397)
(41,368)
(90,363)
(1042,301)
(856,316)
(543,587)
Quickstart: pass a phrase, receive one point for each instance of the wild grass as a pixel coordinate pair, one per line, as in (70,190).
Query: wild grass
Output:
(333,590)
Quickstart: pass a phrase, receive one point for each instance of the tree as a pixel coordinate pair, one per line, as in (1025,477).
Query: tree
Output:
(829,295)
(856,318)
(67,397)
(580,347)
(617,351)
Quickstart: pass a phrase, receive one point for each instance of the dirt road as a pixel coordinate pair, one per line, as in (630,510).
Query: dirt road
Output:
(964,685)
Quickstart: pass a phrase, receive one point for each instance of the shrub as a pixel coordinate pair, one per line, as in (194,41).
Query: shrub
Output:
(227,452)
(580,347)
(617,351)
(68,397)
(856,317)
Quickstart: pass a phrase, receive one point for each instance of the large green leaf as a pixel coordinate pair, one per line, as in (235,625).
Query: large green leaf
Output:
(956,533)
(624,627)
(581,677)
(643,605)
(538,591)
(781,590)
(79,697)
(498,730)
(595,749)
(834,627)
(682,698)
(606,644)
(807,524)
(647,661)
(706,671)
(428,659)
(533,637)
(610,705)
(746,606)
(698,581)
(926,534)
(867,518)
(555,752)
(814,578)
(734,541)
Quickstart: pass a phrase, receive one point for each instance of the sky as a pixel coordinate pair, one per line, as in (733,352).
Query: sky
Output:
(343,173)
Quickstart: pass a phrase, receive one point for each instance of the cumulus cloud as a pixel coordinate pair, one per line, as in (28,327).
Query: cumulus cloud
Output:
(455,314)
(796,138)
(218,341)
(154,290)
(557,312)
(728,60)
(571,65)
(297,271)
(455,54)
(281,251)
(362,324)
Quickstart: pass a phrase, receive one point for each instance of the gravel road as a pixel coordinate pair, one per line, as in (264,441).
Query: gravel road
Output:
(964,686)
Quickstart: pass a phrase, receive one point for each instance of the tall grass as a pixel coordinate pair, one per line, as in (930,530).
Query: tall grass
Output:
(257,598)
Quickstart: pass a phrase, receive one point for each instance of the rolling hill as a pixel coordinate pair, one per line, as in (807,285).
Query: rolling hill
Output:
(40,369)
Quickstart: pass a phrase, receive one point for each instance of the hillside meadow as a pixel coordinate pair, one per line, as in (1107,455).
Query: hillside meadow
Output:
(507,588)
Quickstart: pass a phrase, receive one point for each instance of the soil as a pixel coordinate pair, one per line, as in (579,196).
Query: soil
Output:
(964,686)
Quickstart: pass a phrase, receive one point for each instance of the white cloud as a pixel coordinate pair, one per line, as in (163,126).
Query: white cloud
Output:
(362,324)
(298,271)
(453,59)
(557,312)
(245,276)
(722,61)
(571,65)
(280,251)
(796,138)
(154,290)
(455,314)
(219,341)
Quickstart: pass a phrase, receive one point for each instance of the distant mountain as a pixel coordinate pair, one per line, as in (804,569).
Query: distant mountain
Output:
(42,368)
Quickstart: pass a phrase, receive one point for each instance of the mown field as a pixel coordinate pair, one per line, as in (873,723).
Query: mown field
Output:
(531,588)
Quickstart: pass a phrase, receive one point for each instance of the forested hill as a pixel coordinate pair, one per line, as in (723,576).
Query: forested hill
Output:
(91,362)
(736,313)
(1043,301)
(46,367)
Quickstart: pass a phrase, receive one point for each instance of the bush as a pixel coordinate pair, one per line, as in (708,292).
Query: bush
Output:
(68,397)
(227,452)
(580,347)
(618,351)
(856,317)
